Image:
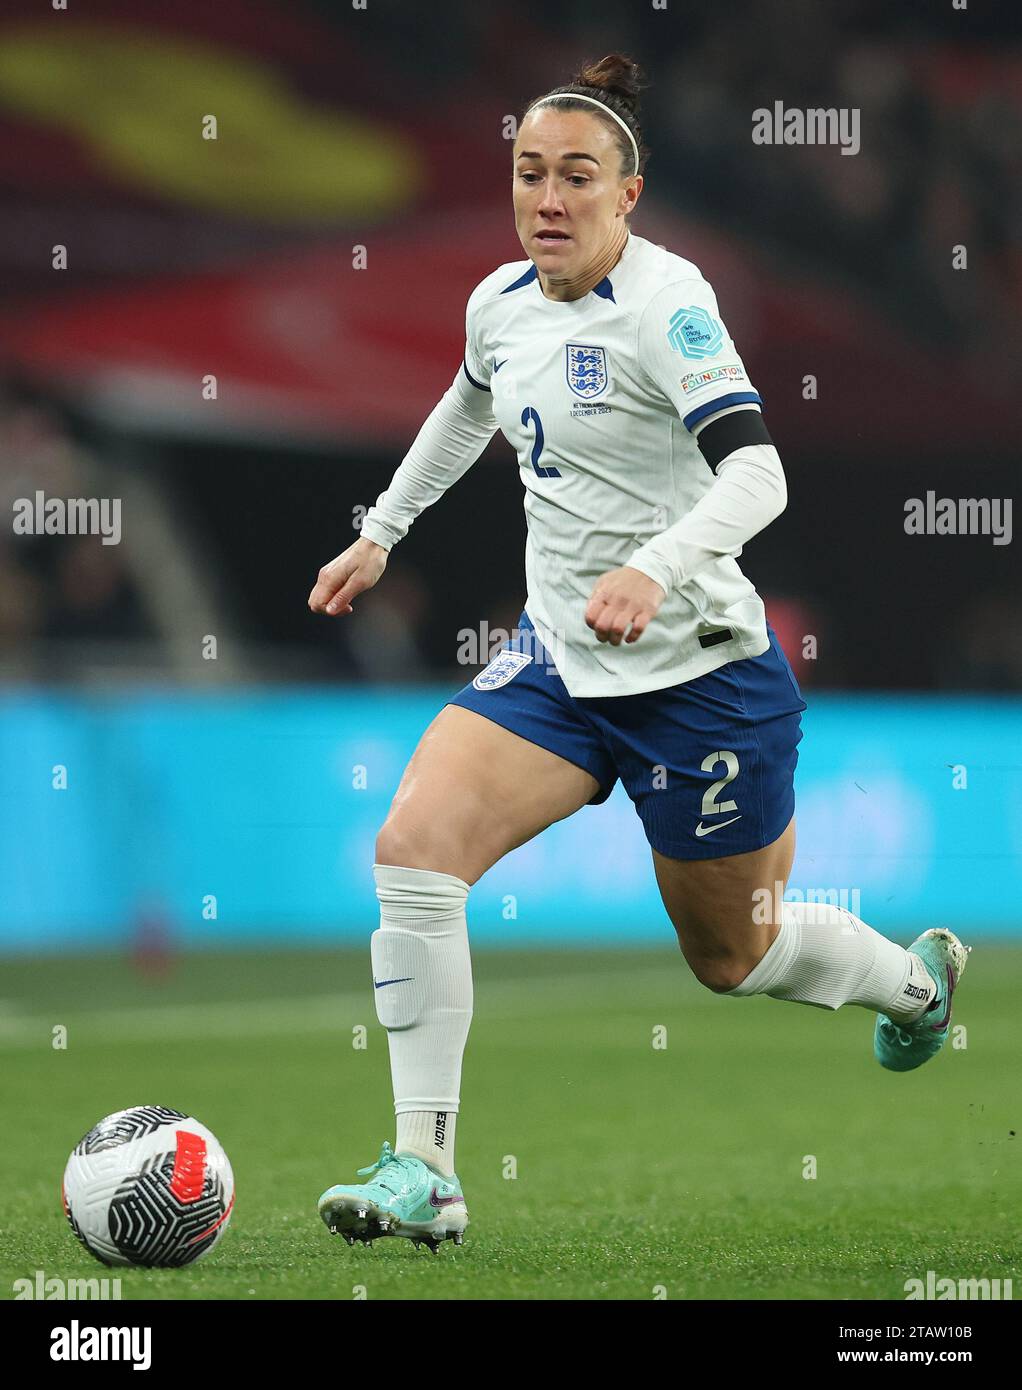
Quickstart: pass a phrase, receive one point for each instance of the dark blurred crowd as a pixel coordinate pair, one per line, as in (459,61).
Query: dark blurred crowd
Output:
(56,589)
(939,167)
(940,163)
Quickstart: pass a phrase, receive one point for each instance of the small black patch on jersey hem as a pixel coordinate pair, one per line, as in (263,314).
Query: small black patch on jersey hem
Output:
(714,639)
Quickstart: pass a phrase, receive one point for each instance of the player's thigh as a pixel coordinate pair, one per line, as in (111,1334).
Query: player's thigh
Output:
(724,910)
(472,792)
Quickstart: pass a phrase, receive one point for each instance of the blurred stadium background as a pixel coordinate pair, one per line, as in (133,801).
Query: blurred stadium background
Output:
(257,779)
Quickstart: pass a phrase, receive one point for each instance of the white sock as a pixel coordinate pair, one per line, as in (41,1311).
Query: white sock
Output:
(422,977)
(429,1135)
(826,956)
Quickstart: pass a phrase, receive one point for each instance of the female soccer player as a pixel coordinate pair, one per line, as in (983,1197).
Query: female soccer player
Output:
(643,651)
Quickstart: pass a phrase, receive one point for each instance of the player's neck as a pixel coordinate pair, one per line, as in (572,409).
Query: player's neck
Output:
(563,289)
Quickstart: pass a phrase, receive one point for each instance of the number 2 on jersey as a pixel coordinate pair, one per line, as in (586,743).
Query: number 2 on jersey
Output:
(530,416)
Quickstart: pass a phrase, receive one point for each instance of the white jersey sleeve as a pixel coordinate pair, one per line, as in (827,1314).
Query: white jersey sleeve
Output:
(685,350)
(749,493)
(477,369)
(688,354)
(451,439)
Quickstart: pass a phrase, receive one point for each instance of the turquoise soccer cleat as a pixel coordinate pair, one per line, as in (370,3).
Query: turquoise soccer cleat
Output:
(405,1198)
(904,1046)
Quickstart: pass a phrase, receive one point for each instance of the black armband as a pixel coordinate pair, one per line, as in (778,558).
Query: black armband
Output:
(722,437)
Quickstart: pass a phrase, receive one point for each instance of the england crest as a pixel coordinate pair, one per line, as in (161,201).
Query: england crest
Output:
(586,369)
(503,667)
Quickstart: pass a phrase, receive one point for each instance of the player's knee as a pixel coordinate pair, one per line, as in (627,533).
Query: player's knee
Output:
(397,843)
(720,976)
(720,973)
(453,840)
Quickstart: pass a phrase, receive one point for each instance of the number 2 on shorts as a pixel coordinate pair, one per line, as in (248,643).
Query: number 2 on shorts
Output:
(711,806)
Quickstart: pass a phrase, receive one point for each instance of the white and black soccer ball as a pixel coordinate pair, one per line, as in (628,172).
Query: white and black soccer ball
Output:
(148,1186)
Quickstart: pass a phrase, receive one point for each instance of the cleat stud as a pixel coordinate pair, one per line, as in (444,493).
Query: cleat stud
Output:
(362,1213)
(350,1239)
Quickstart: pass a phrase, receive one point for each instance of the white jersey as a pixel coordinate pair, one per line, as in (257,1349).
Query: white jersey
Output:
(599,397)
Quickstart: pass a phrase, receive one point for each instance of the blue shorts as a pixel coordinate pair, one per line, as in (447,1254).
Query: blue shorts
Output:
(709,764)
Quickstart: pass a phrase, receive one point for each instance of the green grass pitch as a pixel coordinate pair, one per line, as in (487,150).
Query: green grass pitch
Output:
(641,1172)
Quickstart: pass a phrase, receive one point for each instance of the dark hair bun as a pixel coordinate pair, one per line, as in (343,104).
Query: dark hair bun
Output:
(616,74)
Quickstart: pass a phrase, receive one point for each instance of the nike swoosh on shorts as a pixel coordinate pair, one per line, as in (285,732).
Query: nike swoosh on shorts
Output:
(702,829)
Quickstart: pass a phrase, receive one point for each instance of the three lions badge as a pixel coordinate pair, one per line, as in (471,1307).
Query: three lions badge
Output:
(586,370)
(504,667)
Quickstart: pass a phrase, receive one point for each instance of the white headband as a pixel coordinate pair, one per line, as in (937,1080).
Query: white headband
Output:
(576,96)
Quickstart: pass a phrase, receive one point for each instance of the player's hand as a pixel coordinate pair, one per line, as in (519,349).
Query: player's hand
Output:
(343,579)
(622,597)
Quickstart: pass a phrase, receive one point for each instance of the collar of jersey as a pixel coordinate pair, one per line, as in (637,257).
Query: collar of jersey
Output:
(604,289)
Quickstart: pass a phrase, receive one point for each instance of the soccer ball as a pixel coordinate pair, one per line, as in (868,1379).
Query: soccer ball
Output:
(148,1186)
